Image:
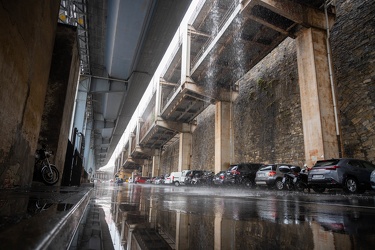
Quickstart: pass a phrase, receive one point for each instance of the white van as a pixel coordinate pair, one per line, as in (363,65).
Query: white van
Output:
(176,178)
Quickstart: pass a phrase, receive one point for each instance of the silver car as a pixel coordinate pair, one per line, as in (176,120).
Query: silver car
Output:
(353,175)
(372,179)
(271,175)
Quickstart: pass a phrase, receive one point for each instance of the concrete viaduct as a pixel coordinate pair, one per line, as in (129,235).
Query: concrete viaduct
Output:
(220,43)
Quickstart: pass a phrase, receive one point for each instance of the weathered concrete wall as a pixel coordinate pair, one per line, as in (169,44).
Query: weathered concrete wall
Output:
(26,45)
(267,121)
(62,86)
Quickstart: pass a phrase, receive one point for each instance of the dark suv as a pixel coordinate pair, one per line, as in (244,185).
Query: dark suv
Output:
(352,175)
(242,174)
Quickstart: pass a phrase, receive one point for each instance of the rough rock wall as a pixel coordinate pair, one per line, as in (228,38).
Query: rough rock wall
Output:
(169,159)
(267,120)
(353,49)
(203,150)
(26,45)
(271,129)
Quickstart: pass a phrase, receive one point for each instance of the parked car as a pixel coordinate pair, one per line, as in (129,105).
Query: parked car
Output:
(242,174)
(176,178)
(271,175)
(140,179)
(158,180)
(352,175)
(372,179)
(219,178)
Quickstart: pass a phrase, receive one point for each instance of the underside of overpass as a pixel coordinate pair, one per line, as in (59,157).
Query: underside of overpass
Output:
(121,44)
(223,41)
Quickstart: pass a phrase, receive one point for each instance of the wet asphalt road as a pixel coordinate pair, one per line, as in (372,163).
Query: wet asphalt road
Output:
(188,217)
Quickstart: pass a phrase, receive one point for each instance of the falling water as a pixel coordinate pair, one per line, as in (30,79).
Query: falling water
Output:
(238,50)
(212,70)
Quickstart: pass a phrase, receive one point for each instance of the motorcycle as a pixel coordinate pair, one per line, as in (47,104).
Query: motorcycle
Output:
(296,179)
(49,173)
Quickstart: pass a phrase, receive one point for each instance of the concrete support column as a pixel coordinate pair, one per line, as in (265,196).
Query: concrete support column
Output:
(319,126)
(223,140)
(156,163)
(138,132)
(185,58)
(146,168)
(184,157)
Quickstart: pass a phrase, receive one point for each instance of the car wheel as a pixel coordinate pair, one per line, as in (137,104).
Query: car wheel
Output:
(248,183)
(351,185)
(177,184)
(319,189)
(279,184)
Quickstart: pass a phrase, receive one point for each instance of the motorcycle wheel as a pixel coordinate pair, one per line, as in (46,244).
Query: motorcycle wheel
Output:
(300,186)
(50,177)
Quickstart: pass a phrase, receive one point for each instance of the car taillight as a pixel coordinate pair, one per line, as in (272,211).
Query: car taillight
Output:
(221,176)
(271,173)
(172,178)
(332,167)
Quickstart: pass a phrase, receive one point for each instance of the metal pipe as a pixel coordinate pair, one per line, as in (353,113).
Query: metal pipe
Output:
(326,4)
(106,78)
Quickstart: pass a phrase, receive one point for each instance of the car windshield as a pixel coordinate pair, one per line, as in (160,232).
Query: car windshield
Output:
(326,163)
(284,169)
(268,168)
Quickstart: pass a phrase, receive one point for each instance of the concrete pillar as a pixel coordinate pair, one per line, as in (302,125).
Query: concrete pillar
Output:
(185,58)
(145,168)
(184,156)
(319,127)
(156,163)
(223,140)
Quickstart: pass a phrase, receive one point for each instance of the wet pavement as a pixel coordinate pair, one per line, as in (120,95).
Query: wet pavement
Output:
(146,216)
(41,217)
(235,218)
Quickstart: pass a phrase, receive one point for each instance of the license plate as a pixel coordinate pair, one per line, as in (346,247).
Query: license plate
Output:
(260,175)
(318,176)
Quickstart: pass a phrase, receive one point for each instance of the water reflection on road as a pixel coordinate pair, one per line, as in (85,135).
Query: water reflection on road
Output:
(168,217)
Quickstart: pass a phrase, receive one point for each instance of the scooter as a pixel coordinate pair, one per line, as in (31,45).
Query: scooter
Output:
(296,179)
(49,173)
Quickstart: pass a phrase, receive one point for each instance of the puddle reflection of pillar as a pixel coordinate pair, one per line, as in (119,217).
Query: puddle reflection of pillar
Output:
(122,236)
(322,239)
(130,233)
(217,231)
(182,231)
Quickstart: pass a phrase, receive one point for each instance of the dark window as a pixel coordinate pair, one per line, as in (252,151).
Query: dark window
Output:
(268,168)
(326,163)
(368,165)
(354,163)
